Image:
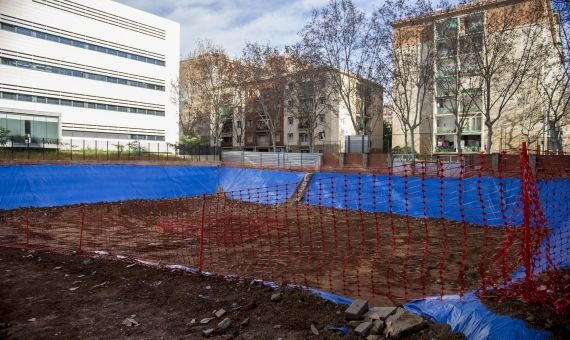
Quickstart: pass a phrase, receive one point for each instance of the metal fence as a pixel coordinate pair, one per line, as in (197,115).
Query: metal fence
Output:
(79,149)
(280,160)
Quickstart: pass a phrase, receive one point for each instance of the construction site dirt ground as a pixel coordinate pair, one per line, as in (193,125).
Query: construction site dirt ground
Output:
(49,295)
(388,259)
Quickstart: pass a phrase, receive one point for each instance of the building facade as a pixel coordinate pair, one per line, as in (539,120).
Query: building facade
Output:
(467,87)
(91,70)
(301,112)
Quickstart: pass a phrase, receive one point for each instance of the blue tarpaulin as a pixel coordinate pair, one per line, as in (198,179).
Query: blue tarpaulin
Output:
(403,195)
(57,185)
(470,317)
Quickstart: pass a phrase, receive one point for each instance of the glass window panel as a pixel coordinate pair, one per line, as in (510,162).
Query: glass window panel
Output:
(14,126)
(65,41)
(41,100)
(39,128)
(8,27)
(112,107)
(8,95)
(53,101)
(52,37)
(78,103)
(473,23)
(52,130)
(24,97)
(102,106)
(41,35)
(91,105)
(77,43)
(66,102)
(122,108)
(24,31)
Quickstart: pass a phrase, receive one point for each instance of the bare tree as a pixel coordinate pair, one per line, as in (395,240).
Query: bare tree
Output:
(554,82)
(263,72)
(309,96)
(502,59)
(408,76)
(207,88)
(339,38)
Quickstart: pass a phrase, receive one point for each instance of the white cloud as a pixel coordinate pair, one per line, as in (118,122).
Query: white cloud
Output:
(231,23)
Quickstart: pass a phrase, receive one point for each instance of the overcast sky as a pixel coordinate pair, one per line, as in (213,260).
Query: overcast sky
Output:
(231,23)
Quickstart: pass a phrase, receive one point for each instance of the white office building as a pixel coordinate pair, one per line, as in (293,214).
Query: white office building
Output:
(91,70)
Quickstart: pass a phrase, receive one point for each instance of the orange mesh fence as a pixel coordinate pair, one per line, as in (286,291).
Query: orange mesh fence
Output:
(391,237)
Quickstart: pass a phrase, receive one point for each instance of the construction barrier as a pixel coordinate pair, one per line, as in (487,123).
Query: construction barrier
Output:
(388,238)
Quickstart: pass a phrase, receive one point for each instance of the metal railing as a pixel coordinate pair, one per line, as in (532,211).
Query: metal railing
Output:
(281,160)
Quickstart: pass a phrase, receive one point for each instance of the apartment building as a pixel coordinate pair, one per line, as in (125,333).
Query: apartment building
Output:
(464,89)
(316,119)
(301,113)
(87,70)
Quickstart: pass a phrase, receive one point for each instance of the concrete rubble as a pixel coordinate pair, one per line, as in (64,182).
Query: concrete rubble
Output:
(374,323)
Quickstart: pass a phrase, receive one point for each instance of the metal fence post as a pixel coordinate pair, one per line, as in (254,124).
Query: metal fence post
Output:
(201,254)
(525,174)
(82,224)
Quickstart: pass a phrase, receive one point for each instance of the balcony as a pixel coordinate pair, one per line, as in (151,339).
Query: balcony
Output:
(445,149)
(445,130)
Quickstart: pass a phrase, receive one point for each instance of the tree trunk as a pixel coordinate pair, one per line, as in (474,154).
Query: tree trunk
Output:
(413,145)
(458,134)
(273,140)
(489,138)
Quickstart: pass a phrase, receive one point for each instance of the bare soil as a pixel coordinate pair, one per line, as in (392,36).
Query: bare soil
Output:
(538,315)
(386,258)
(49,295)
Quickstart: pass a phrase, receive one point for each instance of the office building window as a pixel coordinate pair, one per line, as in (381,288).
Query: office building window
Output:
(80,44)
(79,74)
(290,120)
(81,104)
(290,137)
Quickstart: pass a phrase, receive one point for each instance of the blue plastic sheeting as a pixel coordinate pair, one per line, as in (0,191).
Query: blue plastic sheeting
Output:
(470,317)
(555,203)
(340,300)
(260,186)
(340,191)
(56,185)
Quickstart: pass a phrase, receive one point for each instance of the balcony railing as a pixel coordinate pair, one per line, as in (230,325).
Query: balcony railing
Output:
(446,129)
(445,149)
